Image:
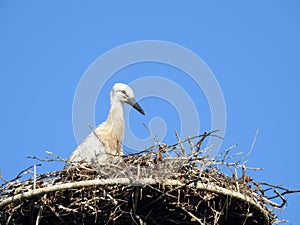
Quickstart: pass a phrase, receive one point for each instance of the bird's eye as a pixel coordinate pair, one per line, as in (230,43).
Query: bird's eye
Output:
(124,92)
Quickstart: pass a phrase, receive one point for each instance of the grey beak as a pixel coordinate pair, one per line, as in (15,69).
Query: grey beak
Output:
(135,105)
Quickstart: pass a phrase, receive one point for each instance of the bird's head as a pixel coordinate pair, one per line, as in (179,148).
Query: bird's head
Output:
(124,94)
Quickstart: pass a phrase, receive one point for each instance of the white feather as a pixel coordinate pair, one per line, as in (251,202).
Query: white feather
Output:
(103,145)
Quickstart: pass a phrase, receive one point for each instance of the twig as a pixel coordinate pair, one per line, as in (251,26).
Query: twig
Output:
(152,135)
(281,197)
(93,131)
(226,152)
(1,177)
(34,176)
(180,144)
(38,218)
(191,146)
(193,216)
(60,159)
(253,143)
(12,213)
(27,170)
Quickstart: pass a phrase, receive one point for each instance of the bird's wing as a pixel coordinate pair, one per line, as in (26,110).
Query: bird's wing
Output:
(91,150)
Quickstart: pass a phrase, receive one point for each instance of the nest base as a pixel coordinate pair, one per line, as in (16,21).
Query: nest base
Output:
(120,201)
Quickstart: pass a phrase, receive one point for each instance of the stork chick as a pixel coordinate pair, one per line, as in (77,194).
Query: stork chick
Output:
(104,143)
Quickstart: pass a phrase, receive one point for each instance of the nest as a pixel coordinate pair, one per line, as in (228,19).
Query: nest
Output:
(164,184)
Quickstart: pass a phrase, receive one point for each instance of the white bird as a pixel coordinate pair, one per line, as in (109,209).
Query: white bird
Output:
(104,143)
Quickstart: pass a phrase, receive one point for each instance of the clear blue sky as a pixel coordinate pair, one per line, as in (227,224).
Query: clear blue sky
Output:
(251,47)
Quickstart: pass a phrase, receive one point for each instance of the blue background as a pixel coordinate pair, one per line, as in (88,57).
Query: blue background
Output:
(252,48)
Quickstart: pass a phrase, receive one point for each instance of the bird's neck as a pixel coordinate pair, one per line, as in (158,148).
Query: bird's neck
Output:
(116,119)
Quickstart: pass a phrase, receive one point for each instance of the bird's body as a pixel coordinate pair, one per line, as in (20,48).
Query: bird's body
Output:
(104,144)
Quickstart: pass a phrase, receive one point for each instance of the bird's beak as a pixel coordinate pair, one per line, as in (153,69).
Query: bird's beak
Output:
(135,105)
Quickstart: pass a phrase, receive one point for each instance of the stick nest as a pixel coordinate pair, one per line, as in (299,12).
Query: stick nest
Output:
(164,184)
